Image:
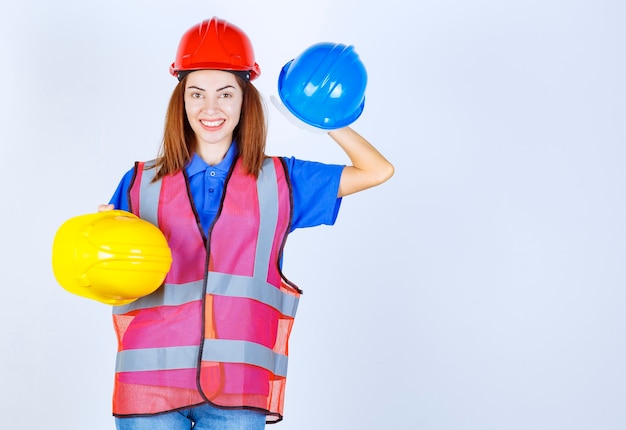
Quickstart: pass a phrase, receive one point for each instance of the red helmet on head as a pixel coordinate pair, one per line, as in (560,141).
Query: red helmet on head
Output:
(215,44)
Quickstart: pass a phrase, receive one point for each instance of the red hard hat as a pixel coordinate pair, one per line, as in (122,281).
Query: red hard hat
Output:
(215,44)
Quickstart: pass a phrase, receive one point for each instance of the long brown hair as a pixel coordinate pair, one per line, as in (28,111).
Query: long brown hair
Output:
(179,142)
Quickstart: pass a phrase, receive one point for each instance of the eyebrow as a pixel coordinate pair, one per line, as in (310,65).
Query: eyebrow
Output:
(217,91)
(223,88)
(194,87)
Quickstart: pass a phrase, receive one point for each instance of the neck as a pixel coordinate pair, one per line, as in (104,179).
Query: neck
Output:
(212,154)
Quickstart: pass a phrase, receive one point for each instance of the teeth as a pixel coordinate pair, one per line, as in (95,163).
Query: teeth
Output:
(212,123)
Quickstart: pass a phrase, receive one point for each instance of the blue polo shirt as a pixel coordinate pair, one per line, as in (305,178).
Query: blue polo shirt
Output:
(314,188)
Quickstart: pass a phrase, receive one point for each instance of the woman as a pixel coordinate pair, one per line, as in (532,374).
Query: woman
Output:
(209,348)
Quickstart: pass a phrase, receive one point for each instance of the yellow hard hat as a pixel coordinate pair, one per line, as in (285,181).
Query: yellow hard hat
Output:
(113,257)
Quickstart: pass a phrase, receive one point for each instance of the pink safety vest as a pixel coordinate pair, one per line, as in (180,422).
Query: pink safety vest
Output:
(217,331)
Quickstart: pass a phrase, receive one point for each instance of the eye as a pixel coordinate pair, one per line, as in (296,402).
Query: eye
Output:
(196,95)
(226,95)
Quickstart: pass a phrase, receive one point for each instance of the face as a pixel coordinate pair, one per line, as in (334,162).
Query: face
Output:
(213,100)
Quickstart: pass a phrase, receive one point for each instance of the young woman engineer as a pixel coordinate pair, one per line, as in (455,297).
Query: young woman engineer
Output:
(208,349)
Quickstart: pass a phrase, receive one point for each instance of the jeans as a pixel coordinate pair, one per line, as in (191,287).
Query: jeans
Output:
(203,417)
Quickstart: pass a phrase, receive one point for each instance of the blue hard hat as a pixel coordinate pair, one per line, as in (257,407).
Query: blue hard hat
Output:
(324,86)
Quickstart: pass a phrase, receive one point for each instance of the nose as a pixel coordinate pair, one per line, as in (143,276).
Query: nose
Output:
(210,105)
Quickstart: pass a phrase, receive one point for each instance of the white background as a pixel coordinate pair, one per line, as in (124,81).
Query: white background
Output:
(482,287)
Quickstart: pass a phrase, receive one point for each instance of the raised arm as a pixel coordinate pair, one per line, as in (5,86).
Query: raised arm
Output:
(369,168)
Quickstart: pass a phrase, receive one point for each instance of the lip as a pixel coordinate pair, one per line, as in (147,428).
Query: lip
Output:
(212,125)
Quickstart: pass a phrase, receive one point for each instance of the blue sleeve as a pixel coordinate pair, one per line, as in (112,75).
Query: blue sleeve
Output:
(314,187)
(120,197)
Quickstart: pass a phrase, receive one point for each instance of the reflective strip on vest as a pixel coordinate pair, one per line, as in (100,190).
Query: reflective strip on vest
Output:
(150,191)
(167,295)
(140,360)
(268,193)
(239,351)
(222,285)
(218,350)
(258,289)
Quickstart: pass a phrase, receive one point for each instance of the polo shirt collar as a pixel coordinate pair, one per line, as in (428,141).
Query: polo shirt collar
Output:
(198,165)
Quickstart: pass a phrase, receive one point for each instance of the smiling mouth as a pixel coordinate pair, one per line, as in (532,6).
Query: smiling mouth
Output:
(213,123)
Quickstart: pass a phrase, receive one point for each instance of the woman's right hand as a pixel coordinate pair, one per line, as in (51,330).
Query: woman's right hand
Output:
(104,208)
